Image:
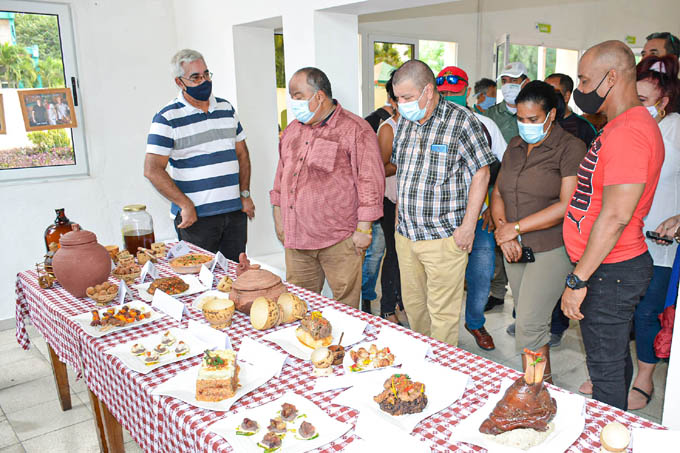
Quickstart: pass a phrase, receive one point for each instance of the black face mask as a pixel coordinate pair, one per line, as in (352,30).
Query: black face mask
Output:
(591,102)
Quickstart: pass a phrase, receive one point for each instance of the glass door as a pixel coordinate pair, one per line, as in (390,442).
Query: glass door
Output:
(501,51)
(388,53)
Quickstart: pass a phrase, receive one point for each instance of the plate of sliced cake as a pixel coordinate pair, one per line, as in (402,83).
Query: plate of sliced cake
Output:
(224,376)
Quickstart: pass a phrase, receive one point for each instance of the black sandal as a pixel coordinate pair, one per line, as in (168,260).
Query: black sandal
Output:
(386,315)
(648,396)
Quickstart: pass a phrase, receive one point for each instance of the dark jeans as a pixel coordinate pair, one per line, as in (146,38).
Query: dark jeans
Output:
(224,232)
(614,290)
(478,275)
(559,323)
(647,323)
(390,281)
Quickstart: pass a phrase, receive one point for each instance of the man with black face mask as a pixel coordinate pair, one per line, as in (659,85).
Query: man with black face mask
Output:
(603,223)
(201,137)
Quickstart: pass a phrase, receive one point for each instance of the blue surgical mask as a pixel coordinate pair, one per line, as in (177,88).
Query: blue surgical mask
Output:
(510,92)
(487,103)
(533,133)
(411,110)
(200,92)
(300,109)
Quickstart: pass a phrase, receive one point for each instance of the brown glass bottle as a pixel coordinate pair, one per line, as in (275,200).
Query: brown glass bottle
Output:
(61,226)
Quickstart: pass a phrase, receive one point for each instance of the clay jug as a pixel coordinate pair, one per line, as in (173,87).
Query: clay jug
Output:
(252,284)
(80,262)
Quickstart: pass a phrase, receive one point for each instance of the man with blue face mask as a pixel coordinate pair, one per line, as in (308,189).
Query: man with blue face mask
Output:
(328,189)
(485,95)
(202,139)
(442,157)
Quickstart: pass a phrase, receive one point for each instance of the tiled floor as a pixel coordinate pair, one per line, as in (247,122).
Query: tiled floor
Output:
(32,421)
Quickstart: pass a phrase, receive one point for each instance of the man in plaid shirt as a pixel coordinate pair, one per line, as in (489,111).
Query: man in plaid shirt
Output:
(442,157)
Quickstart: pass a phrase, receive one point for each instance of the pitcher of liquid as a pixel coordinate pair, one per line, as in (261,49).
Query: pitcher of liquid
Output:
(137,227)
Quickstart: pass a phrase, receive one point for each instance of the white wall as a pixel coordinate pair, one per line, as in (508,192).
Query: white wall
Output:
(475,25)
(123,48)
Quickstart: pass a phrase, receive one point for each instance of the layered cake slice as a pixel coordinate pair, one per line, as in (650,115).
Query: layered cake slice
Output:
(218,376)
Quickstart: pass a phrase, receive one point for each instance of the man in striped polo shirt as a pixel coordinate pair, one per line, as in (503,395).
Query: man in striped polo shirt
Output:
(209,178)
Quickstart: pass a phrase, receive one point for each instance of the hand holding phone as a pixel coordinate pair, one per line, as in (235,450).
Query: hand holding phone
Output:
(657,237)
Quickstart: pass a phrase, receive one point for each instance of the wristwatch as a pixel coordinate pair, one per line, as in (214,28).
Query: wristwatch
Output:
(573,282)
(245,193)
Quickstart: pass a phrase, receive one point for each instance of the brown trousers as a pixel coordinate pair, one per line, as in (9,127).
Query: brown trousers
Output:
(338,263)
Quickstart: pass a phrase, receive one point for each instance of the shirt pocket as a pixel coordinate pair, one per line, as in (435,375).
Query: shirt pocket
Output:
(322,155)
(437,166)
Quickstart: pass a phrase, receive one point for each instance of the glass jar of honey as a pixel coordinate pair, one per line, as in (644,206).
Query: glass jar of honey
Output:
(137,227)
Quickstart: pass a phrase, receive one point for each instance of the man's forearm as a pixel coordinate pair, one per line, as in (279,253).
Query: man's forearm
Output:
(476,196)
(243,157)
(603,237)
(166,186)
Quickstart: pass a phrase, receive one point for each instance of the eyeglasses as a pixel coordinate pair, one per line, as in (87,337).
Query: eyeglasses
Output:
(452,79)
(198,78)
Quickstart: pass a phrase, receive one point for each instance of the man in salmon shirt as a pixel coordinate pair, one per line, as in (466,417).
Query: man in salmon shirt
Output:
(603,223)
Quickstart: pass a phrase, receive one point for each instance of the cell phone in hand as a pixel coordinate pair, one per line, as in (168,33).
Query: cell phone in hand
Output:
(657,237)
(527,255)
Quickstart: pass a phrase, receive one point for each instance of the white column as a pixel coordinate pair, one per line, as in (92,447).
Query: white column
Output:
(330,42)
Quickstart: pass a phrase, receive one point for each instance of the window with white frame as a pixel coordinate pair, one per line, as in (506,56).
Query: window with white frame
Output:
(41,124)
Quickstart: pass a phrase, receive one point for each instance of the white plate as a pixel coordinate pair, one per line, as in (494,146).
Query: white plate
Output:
(352,327)
(198,302)
(569,422)
(348,362)
(84,319)
(257,367)
(649,440)
(443,387)
(327,428)
(137,364)
(195,286)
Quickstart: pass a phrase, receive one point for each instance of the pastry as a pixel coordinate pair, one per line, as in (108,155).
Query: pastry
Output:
(249,426)
(288,412)
(277,425)
(402,396)
(138,349)
(151,358)
(224,284)
(168,339)
(271,441)
(306,430)
(218,376)
(181,349)
(315,331)
(161,349)
(371,358)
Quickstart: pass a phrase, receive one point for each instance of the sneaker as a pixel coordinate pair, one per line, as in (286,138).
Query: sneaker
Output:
(511,330)
(493,302)
(555,340)
(366,306)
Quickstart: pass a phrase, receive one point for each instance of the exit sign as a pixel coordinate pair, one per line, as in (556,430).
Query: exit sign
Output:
(630,39)
(543,28)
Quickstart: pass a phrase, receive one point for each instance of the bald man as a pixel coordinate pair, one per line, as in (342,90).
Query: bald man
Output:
(603,223)
(442,158)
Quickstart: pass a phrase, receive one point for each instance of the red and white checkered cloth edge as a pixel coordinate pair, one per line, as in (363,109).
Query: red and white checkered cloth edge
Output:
(162,424)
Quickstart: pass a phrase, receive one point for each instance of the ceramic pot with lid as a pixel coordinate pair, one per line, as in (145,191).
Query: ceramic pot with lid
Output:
(80,262)
(252,284)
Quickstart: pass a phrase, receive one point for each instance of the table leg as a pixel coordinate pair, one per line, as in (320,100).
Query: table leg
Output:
(112,430)
(99,425)
(60,379)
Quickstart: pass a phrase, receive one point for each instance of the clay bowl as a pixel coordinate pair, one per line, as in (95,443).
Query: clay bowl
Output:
(192,269)
(338,353)
(129,277)
(219,312)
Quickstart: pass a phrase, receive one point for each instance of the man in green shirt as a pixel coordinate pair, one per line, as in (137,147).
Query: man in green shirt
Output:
(513,79)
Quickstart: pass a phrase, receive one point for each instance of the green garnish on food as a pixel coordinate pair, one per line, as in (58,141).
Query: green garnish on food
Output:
(245,433)
(267,450)
(301,416)
(212,360)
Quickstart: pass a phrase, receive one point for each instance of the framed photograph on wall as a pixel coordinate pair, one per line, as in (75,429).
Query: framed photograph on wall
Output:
(48,108)
(3,126)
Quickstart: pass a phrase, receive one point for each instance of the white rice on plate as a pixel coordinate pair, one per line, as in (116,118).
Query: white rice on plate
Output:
(522,438)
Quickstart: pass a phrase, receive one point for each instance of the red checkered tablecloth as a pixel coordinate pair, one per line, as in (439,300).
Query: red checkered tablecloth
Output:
(165,424)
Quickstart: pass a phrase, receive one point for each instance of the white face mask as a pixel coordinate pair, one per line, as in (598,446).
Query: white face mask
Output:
(653,111)
(510,92)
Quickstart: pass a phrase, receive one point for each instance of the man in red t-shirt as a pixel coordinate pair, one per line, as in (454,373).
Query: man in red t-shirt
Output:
(603,223)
